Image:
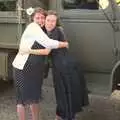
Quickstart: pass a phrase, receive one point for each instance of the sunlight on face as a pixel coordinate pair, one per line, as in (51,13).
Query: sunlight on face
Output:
(39,18)
(50,22)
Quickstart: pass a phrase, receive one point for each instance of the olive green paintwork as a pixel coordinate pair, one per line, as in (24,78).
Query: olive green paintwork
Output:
(93,41)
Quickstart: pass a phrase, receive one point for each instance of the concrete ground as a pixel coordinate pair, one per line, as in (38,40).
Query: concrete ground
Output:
(100,108)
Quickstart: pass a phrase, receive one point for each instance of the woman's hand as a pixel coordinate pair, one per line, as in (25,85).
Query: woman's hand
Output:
(45,51)
(39,51)
(34,51)
(67,44)
(63,45)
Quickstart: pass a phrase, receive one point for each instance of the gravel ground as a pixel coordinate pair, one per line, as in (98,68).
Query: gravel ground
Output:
(7,102)
(101,108)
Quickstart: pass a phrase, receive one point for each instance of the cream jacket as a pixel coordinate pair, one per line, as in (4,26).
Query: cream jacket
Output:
(32,33)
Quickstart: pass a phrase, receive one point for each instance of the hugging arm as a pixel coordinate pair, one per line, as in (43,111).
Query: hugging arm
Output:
(44,40)
(32,33)
(39,51)
(47,51)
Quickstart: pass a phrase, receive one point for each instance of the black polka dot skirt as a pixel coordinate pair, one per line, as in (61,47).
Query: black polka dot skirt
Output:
(28,83)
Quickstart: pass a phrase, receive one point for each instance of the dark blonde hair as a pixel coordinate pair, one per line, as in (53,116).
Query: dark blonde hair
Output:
(39,10)
(52,12)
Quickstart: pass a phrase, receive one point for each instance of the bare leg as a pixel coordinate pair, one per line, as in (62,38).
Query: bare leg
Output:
(58,117)
(35,111)
(21,112)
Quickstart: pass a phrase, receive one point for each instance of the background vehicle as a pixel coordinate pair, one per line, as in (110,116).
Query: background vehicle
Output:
(92,29)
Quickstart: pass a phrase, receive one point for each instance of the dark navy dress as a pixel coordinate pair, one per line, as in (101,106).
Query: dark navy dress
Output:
(29,80)
(69,83)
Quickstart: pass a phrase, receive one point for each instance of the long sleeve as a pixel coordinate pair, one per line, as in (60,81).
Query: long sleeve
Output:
(35,33)
(31,34)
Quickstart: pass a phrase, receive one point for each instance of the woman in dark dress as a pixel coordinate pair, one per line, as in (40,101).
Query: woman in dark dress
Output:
(70,87)
(28,65)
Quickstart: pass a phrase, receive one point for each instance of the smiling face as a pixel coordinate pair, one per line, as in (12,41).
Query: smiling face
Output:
(50,22)
(39,18)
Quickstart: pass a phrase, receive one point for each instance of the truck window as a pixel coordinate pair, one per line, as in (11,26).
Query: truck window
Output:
(7,5)
(85,4)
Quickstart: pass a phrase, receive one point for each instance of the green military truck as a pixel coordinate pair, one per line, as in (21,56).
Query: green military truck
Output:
(91,26)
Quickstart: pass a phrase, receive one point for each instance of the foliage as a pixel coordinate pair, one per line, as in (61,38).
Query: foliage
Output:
(7,5)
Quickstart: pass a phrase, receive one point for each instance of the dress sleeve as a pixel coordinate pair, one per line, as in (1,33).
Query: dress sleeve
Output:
(62,35)
(37,34)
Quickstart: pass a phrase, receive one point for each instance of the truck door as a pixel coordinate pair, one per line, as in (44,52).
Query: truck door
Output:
(91,37)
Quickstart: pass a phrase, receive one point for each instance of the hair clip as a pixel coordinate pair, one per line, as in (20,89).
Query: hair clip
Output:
(30,11)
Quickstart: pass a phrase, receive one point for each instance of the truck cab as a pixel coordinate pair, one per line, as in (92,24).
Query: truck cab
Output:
(92,28)
(93,31)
